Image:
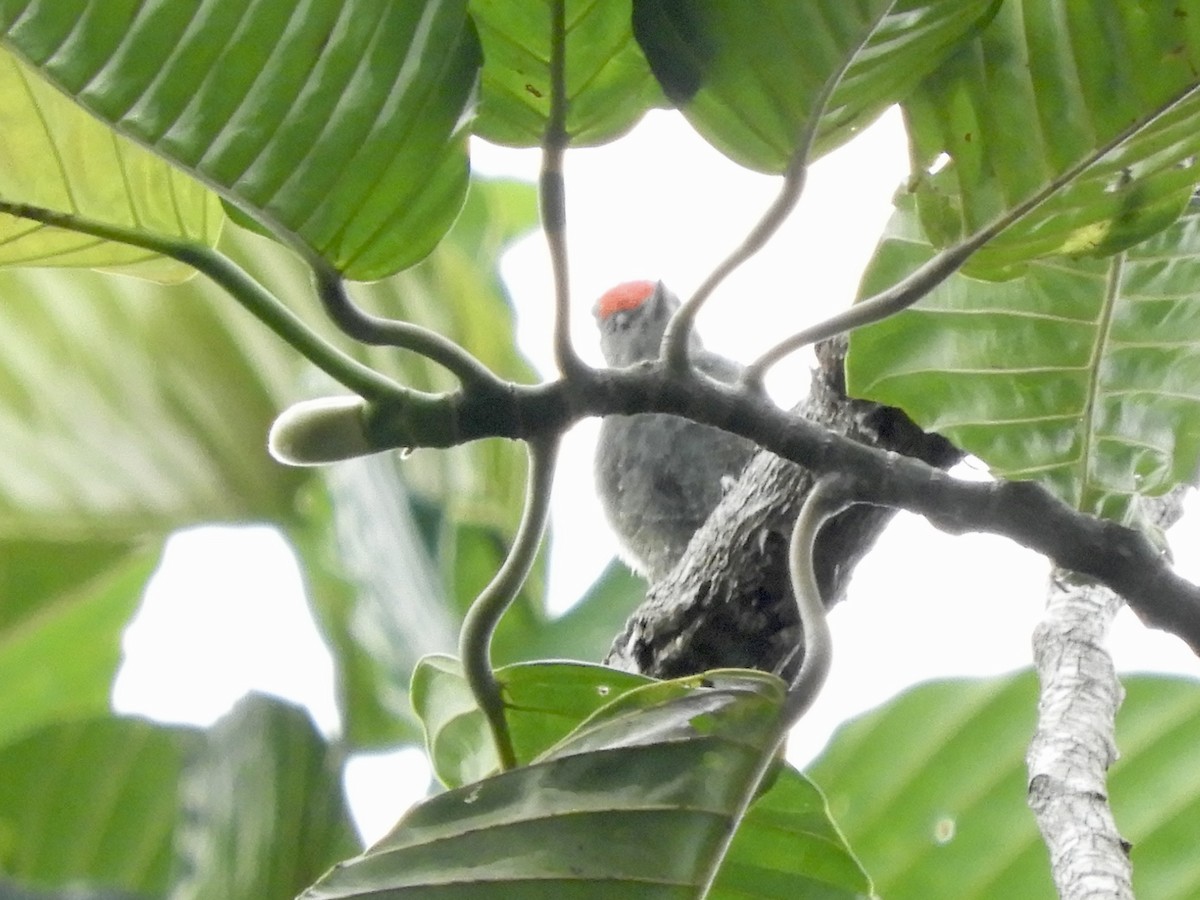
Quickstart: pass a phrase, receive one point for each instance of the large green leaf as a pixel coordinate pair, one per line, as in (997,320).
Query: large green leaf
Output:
(750,75)
(63,608)
(1048,86)
(788,846)
(670,759)
(128,411)
(92,803)
(340,124)
(263,808)
(930,790)
(379,596)
(55,155)
(608,83)
(1081,374)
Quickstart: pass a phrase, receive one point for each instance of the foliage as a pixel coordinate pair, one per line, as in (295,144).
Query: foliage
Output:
(1064,133)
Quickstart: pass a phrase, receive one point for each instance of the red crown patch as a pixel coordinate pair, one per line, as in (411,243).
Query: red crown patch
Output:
(628,295)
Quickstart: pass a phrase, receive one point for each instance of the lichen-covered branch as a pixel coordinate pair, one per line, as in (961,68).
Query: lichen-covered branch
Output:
(1075,742)
(1074,745)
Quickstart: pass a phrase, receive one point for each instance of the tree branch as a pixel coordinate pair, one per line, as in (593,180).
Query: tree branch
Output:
(1112,554)
(1075,742)
(1074,745)
(728,602)
(379,331)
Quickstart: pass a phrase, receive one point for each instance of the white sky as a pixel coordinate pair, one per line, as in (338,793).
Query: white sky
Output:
(225,614)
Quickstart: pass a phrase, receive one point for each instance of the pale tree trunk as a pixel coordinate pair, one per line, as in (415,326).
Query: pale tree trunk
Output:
(1074,744)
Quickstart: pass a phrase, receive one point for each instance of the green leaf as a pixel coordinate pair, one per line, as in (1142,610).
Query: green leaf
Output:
(608,83)
(379,595)
(341,126)
(92,803)
(63,609)
(788,846)
(1083,375)
(53,154)
(545,702)
(749,76)
(671,759)
(1049,87)
(456,291)
(930,789)
(264,812)
(128,412)
(541,694)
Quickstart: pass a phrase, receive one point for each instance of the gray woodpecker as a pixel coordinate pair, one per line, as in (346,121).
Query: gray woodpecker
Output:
(658,476)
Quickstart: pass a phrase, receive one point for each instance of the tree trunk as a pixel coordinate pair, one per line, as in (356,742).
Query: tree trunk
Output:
(728,602)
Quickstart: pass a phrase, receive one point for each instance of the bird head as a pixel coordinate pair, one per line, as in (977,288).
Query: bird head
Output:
(632,318)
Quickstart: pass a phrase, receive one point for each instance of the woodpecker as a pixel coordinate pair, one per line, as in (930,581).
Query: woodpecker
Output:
(658,476)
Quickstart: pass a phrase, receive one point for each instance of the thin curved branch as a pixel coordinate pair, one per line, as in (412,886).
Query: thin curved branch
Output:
(894,299)
(826,499)
(908,291)
(475,640)
(675,339)
(552,193)
(236,282)
(379,331)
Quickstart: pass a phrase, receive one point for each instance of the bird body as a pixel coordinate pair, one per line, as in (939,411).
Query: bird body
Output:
(659,476)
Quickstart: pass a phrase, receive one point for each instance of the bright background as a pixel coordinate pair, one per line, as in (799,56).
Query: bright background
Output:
(225,613)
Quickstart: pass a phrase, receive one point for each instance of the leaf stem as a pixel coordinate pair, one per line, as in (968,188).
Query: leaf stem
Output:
(909,290)
(675,339)
(379,331)
(552,193)
(236,282)
(899,296)
(481,620)
(826,498)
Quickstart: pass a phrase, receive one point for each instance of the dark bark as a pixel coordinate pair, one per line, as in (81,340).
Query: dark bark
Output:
(729,601)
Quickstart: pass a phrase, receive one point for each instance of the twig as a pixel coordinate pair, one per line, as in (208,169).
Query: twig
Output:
(475,640)
(379,331)
(675,339)
(909,290)
(899,296)
(260,302)
(552,193)
(826,499)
